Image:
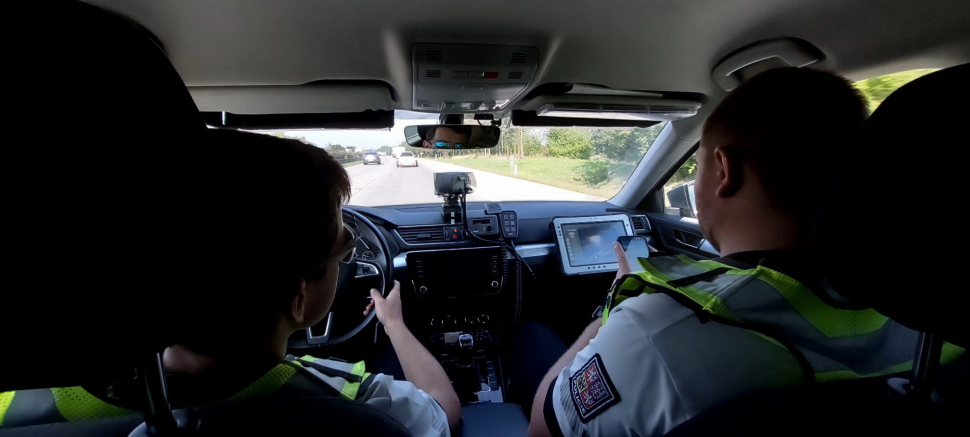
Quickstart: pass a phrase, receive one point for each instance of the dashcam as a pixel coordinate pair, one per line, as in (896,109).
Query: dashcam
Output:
(450,183)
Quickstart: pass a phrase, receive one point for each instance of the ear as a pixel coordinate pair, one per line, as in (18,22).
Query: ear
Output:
(298,304)
(729,172)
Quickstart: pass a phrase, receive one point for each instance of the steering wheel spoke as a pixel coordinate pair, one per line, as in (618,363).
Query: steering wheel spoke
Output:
(318,336)
(367,270)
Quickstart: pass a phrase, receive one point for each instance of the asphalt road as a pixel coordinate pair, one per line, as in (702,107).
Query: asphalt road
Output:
(386,184)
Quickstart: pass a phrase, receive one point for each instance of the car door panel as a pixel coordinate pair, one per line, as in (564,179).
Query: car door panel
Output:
(682,235)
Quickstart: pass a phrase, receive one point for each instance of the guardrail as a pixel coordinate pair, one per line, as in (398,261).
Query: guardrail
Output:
(346,160)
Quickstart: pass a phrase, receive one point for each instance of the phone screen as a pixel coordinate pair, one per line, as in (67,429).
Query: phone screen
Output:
(635,247)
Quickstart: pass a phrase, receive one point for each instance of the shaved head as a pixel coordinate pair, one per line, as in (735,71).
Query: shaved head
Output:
(777,139)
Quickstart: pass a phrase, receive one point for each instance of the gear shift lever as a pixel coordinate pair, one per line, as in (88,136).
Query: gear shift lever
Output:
(466,341)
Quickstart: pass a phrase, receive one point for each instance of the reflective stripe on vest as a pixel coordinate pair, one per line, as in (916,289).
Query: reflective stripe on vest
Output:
(294,375)
(332,373)
(837,343)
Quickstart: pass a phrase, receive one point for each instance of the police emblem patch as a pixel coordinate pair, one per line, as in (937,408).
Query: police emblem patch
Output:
(592,390)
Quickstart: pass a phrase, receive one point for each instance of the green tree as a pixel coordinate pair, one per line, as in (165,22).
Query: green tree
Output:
(686,172)
(624,145)
(876,89)
(570,143)
(335,148)
(385,149)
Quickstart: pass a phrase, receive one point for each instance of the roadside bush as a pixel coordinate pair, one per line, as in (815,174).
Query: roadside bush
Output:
(569,143)
(594,173)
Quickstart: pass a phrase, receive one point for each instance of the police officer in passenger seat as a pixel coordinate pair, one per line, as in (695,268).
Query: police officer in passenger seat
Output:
(270,237)
(682,335)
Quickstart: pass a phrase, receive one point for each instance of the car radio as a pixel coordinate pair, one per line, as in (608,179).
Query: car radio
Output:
(454,273)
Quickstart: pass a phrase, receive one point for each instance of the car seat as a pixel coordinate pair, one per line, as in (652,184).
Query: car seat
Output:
(96,231)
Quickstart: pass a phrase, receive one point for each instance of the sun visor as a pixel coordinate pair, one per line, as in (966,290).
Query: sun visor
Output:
(314,98)
(605,108)
(464,78)
(330,120)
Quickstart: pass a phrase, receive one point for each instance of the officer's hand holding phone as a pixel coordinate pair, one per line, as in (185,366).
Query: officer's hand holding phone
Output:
(621,260)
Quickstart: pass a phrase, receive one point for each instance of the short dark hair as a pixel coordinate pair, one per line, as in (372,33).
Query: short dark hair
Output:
(463,130)
(267,209)
(794,124)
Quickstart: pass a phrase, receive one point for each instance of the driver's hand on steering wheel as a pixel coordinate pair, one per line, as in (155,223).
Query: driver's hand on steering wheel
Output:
(388,309)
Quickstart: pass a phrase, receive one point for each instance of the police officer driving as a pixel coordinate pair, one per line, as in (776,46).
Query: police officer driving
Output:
(269,243)
(682,336)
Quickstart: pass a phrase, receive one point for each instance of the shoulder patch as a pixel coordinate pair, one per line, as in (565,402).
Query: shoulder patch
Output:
(592,390)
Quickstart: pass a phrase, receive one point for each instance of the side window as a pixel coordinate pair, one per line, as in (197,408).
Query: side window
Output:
(679,190)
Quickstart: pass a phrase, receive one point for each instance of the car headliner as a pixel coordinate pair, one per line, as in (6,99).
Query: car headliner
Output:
(659,45)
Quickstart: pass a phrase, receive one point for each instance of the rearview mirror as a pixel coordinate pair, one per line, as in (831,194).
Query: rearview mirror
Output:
(452,136)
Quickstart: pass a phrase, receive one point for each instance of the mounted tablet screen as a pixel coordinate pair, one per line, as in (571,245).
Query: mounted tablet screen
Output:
(586,243)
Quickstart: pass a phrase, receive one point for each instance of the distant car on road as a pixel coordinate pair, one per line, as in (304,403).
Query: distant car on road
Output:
(407,159)
(372,158)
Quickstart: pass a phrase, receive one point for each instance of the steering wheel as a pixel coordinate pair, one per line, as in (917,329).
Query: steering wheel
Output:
(348,284)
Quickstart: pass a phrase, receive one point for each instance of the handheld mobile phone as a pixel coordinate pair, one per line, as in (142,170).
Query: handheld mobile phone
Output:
(635,247)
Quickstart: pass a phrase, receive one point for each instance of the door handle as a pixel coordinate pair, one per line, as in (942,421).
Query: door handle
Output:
(684,243)
(682,238)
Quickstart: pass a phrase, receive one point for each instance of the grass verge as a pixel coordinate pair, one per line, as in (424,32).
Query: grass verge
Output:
(352,163)
(557,172)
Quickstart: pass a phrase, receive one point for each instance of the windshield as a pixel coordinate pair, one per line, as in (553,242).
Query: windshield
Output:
(560,164)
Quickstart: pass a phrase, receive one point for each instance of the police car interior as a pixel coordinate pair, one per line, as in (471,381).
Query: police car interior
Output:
(580,120)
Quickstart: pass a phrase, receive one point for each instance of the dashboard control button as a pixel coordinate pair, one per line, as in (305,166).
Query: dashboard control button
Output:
(422,289)
(495,284)
(437,323)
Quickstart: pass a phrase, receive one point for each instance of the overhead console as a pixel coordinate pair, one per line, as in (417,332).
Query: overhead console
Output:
(457,78)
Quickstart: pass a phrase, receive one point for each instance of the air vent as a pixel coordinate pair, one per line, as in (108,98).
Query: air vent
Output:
(433,73)
(433,56)
(518,58)
(422,234)
(515,75)
(640,223)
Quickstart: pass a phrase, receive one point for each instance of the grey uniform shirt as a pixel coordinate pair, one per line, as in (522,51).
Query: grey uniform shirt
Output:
(653,366)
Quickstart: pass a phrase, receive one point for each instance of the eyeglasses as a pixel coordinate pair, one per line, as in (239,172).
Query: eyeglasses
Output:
(347,253)
(344,255)
(447,145)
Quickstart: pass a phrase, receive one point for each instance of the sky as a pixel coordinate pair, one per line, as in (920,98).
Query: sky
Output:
(364,139)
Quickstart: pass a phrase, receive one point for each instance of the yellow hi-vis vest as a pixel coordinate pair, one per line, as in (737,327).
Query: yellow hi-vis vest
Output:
(293,377)
(830,343)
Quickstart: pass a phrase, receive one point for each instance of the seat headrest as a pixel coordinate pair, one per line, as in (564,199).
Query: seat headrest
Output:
(887,230)
(91,190)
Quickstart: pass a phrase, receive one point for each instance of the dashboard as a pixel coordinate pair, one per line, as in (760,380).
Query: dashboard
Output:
(464,298)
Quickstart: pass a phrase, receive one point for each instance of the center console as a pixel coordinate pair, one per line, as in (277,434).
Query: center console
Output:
(461,310)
